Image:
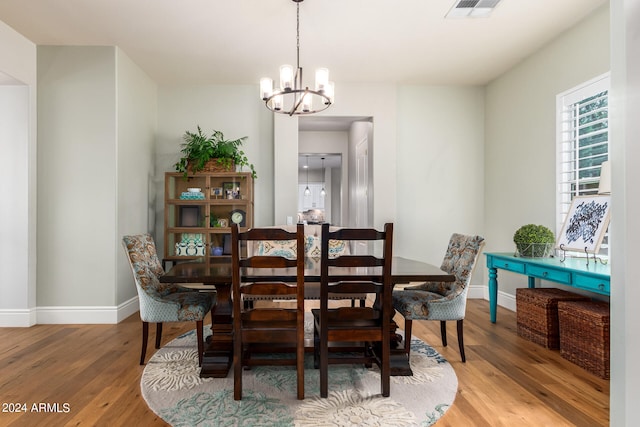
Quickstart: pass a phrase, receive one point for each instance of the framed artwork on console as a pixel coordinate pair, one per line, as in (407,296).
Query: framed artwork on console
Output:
(586,224)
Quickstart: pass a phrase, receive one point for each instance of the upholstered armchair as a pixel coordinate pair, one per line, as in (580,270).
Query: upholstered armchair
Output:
(442,301)
(163,302)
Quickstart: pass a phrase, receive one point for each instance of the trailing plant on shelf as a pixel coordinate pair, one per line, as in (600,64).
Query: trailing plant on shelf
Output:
(200,148)
(534,241)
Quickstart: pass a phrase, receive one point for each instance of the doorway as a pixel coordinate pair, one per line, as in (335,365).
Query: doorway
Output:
(349,139)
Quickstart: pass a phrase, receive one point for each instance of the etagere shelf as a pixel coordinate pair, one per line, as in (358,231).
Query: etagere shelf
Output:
(199,209)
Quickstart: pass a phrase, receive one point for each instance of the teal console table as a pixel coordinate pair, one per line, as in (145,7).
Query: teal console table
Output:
(594,277)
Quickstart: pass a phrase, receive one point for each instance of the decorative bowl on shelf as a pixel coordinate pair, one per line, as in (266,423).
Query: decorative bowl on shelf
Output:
(193,190)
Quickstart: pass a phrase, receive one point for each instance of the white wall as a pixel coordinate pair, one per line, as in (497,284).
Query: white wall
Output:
(625,202)
(440,188)
(18,131)
(76,176)
(136,194)
(521,136)
(96,135)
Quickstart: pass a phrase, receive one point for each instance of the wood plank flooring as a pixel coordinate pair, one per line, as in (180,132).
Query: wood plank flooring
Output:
(91,372)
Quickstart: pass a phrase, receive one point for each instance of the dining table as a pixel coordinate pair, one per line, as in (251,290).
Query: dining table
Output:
(216,272)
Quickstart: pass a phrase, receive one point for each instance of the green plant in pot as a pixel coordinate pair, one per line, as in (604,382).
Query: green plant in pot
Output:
(199,148)
(534,241)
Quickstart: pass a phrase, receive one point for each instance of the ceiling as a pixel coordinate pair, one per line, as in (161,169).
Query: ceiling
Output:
(360,41)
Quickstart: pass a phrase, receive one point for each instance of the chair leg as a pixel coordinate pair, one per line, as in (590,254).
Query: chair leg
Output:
(158,334)
(145,336)
(461,341)
(408,324)
(443,332)
(200,333)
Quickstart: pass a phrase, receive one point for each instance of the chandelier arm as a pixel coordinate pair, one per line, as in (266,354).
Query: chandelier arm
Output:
(325,104)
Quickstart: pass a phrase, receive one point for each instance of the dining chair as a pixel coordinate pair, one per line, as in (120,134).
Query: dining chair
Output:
(350,334)
(163,302)
(443,301)
(261,330)
(287,249)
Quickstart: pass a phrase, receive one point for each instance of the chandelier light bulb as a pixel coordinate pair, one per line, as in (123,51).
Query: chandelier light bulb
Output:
(322,79)
(330,92)
(307,192)
(266,87)
(286,77)
(276,102)
(307,102)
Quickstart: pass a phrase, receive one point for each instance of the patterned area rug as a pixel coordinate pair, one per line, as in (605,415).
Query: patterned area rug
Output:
(172,388)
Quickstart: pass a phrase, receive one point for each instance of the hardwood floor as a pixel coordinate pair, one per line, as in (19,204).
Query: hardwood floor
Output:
(91,372)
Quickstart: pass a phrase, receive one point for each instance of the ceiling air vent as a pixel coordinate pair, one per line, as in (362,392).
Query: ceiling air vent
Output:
(472,8)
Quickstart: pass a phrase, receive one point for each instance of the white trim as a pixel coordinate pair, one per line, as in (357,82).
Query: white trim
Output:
(87,315)
(12,318)
(505,300)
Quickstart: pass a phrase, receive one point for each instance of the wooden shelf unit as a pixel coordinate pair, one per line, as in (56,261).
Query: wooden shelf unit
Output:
(204,217)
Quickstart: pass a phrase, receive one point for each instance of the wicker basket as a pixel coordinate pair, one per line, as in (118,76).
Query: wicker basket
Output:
(214,166)
(534,250)
(584,335)
(537,314)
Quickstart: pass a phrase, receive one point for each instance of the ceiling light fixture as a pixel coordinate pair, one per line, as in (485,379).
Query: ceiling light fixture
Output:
(292,98)
(323,192)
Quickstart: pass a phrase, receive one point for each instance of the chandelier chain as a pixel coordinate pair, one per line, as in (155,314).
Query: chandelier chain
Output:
(297,35)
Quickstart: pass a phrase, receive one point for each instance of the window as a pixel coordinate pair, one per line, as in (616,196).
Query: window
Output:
(582,143)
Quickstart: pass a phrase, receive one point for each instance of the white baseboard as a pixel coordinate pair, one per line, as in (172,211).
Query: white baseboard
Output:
(505,300)
(69,315)
(116,314)
(12,318)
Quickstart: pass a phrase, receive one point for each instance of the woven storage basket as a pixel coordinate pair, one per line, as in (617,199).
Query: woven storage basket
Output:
(537,314)
(584,335)
(213,166)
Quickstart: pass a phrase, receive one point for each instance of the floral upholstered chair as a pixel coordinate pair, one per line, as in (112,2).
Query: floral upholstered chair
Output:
(442,300)
(163,302)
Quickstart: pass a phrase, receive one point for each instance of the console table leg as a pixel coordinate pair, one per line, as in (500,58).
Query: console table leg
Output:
(493,292)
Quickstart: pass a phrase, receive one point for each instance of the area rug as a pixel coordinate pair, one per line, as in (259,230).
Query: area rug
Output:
(173,389)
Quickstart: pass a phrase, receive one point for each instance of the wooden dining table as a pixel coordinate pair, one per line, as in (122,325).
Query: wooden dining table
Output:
(216,272)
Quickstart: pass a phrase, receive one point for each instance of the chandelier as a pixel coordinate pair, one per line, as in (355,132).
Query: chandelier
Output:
(292,97)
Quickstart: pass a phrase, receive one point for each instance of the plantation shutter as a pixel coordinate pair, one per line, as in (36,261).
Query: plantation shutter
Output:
(583,143)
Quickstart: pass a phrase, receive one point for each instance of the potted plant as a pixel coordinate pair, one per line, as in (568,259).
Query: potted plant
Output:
(203,152)
(534,241)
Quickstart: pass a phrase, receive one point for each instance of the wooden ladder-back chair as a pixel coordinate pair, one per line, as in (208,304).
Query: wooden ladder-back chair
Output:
(259,330)
(338,331)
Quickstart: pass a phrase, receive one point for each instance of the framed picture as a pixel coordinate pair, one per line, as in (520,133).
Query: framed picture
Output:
(586,223)
(230,186)
(231,190)
(217,192)
(190,216)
